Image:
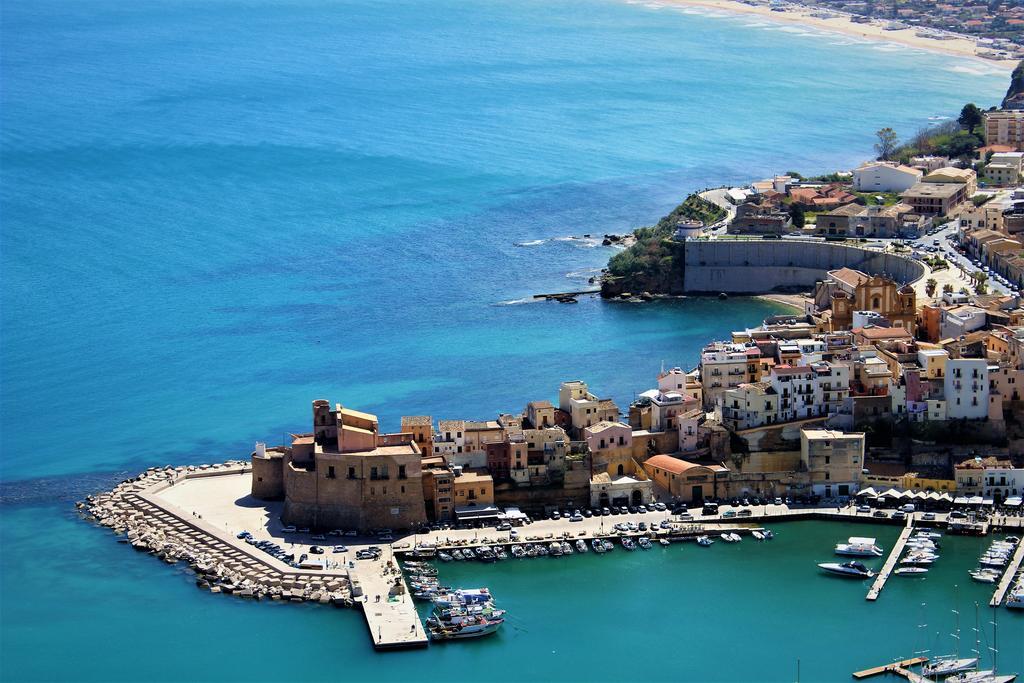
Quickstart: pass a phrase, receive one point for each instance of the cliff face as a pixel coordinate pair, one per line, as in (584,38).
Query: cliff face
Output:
(1016,83)
(655,263)
(663,275)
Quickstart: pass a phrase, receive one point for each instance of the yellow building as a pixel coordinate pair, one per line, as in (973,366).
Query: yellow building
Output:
(687,481)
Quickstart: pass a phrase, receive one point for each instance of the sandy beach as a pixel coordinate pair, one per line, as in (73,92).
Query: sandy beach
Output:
(794,16)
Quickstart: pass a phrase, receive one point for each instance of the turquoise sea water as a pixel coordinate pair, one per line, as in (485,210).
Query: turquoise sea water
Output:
(214,212)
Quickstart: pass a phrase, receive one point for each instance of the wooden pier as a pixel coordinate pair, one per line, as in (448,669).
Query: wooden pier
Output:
(1008,575)
(896,668)
(892,560)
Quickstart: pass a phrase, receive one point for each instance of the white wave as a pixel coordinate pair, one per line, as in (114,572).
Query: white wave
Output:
(584,274)
(531,243)
(978,71)
(516,302)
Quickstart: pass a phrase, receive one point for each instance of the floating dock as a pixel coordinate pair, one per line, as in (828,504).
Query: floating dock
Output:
(1008,575)
(892,560)
(899,668)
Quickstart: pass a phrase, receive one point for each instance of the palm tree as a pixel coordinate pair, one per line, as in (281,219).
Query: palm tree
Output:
(930,285)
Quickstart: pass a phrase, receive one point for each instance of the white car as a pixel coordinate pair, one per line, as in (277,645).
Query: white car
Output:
(288,529)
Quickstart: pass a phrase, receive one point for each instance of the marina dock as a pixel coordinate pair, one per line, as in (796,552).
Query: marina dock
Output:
(1008,575)
(896,668)
(892,560)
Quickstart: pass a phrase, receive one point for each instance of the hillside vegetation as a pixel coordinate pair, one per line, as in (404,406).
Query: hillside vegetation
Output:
(654,262)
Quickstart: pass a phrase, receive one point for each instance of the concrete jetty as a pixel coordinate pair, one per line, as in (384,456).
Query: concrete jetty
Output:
(892,560)
(388,605)
(1008,575)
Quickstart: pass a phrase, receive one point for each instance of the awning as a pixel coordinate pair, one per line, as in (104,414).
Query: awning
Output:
(961,500)
(867,493)
(475,512)
(1014,501)
(945,497)
(975,500)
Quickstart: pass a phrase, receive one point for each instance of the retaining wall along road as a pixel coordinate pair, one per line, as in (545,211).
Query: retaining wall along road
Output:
(760,266)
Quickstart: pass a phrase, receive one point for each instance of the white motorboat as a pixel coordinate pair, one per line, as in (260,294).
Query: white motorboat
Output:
(730,537)
(628,544)
(852,569)
(581,545)
(911,571)
(858,546)
(555,549)
(758,534)
(984,576)
(644,542)
(664,542)
(704,541)
(598,545)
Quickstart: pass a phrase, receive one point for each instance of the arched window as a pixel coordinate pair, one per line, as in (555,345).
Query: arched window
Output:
(876,303)
(620,471)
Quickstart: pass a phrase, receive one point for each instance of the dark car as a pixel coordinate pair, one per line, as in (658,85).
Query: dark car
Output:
(587,512)
(316,550)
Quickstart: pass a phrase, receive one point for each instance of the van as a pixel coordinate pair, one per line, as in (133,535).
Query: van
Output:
(710,509)
(909,507)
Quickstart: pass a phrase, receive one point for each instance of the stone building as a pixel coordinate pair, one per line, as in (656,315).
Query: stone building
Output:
(345,474)
(846,291)
(834,460)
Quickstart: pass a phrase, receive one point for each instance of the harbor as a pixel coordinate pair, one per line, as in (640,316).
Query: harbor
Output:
(202,516)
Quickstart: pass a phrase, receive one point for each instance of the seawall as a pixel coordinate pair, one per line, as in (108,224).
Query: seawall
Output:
(762,266)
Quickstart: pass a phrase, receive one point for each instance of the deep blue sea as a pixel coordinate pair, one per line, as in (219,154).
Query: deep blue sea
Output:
(214,212)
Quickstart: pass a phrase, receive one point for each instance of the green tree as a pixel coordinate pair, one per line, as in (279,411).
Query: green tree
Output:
(930,285)
(961,144)
(797,215)
(970,117)
(887,142)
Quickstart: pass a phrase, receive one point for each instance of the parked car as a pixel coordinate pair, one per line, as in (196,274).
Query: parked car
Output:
(863,508)
(928,516)
(504,526)
(747,512)
(729,513)
(316,550)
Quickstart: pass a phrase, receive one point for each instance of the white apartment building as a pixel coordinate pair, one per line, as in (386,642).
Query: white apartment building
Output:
(966,388)
(882,176)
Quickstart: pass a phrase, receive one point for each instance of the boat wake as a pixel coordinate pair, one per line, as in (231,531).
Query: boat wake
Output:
(531,243)
(516,302)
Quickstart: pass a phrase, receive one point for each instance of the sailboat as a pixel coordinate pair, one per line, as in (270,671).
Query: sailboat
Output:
(984,675)
(947,665)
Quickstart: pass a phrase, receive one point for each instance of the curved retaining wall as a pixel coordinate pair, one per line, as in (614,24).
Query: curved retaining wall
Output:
(759,266)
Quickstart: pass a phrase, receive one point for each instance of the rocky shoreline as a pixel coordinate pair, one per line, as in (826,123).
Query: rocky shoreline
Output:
(220,567)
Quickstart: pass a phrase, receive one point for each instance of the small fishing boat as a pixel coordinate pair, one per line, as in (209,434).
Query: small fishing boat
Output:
(644,542)
(444,557)
(608,545)
(628,544)
(581,546)
(566,548)
(476,628)
(555,549)
(598,545)
(758,534)
(457,555)
(664,542)
(704,541)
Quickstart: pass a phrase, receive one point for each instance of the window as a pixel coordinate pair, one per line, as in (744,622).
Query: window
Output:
(401,474)
(330,472)
(373,473)
(403,489)
(351,472)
